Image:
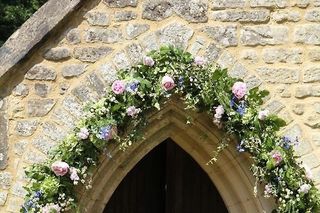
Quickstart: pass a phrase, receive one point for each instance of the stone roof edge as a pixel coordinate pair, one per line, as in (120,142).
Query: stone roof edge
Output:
(33,31)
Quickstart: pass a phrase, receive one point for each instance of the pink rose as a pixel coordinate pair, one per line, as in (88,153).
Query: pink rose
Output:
(276,156)
(60,168)
(74,174)
(199,61)
(148,61)
(118,87)
(167,83)
(239,89)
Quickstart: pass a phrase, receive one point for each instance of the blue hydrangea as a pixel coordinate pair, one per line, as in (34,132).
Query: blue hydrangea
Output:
(132,87)
(180,81)
(105,133)
(241,109)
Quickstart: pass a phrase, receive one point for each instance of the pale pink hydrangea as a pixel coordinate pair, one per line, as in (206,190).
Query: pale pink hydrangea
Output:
(239,89)
(167,83)
(148,61)
(60,168)
(304,188)
(83,133)
(263,114)
(219,111)
(276,156)
(51,208)
(118,87)
(199,61)
(74,174)
(267,190)
(133,111)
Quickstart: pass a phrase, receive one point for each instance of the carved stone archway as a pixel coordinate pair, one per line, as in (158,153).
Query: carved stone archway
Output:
(230,173)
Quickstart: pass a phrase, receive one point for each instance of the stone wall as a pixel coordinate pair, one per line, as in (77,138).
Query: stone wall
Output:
(271,43)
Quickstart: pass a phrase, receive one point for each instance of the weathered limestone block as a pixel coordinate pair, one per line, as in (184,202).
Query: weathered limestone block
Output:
(278,75)
(269,3)
(254,16)
(197,45)
(3,141)
(264,35)
(63,87)
(224,35)
(305,91)
(307,34)
(226,60)
(64,118)
(41,72)
(274,106)
(91,54)
(284,91)
(313,15)
(134,52)
(34,156)
(313,121)
(26,127)
(84,94)
(312,160)
(226,4)
(312,75)
(20,147)
(108,36)
(41,90)
(156,10)
(43,144)
(3,197)
(96,84)
(134,30)
(52,131)
(108,73)
(39,107)
(21,89)
(73,70)
(238,71)
(18,190)
(212,52)
(175,34)
(57,54)
(252,81)
(301,3)
(314,54)
(192,10)
(249,55)
(280,16)
(121,3)
(71,104)
(98,18)
(298,108)
(5,180)
(284,55)
(125,15)
(73,36)
(150,42)
(121,60)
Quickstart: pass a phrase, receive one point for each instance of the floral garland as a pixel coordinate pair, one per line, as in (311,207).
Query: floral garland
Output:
(120,117)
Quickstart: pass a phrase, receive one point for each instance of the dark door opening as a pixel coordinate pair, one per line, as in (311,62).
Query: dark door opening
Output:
(166,180)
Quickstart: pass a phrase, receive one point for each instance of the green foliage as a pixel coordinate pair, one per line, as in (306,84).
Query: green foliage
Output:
(13,13)
(203,88)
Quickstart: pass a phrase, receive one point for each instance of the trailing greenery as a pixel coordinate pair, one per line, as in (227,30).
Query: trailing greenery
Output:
(120,117)
(13,13)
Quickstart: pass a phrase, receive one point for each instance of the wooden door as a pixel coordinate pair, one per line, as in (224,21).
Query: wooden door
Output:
(167,180)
